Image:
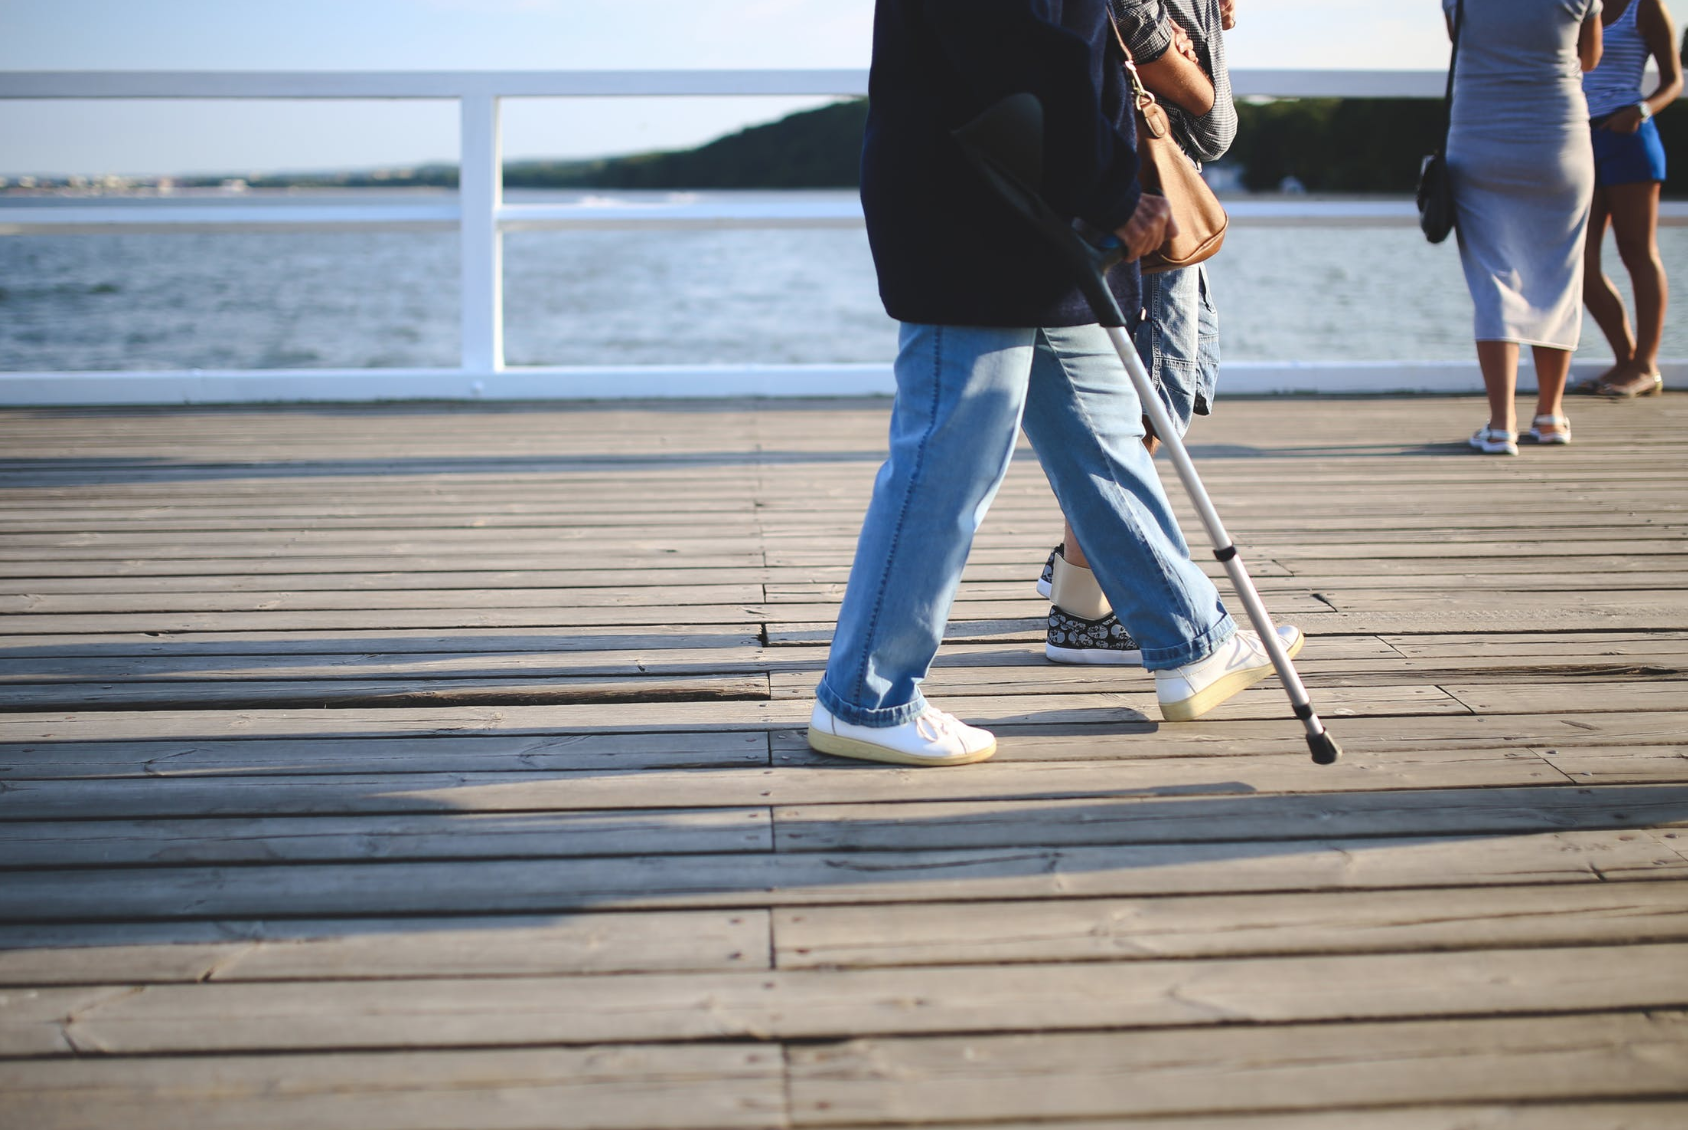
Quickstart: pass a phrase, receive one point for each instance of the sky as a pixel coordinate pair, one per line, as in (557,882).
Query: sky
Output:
(139,138)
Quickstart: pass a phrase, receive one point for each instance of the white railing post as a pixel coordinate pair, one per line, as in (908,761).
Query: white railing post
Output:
(481,193)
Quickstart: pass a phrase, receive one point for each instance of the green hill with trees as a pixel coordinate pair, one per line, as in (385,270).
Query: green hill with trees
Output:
(1331,145)
(813,149)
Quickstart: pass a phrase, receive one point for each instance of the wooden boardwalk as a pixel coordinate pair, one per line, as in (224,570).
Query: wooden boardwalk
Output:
(441,767)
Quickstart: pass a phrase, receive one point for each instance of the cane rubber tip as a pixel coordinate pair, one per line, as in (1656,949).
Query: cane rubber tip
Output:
(1324,747)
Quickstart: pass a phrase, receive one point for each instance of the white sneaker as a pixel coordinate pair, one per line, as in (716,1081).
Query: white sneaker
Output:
(934,738)
(1192,690)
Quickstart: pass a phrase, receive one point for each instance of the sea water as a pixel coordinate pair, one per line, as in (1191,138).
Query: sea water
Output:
(390,299)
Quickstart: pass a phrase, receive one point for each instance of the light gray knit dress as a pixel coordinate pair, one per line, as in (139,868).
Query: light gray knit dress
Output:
(1522,167)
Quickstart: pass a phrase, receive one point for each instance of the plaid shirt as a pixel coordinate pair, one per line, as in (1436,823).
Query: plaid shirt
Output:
(1147,31)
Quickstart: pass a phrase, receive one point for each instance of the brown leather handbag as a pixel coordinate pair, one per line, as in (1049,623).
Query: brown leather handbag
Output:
(1165,169)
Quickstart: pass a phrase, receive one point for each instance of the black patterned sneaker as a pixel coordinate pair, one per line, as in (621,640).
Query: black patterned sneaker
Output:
(1047,580)
(1104,641)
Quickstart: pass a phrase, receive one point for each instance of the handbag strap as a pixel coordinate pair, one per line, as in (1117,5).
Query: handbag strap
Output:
(1140,94)
(1453,61)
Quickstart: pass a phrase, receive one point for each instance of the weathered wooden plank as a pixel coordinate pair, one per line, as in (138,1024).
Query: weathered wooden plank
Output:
(924,825)
(283,602)
(74,571)
(675,1087)
(658,638)
(1205,1070)
(379,574)
(792,667)
(808,1005)
(1273,585)
(1379,741)
(802,878)
(1264,701)
(450,835)
(1634,611)
(1229,925)
(1416,547)
(348,694)
(379,948)
(1392,692)
(422,753)
(1522,1116)
(557,615)
(1489,698)
(187,664)
(1629,765)
(1043,787)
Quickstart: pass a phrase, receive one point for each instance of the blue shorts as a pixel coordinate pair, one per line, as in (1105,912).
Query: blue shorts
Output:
(1628,158)
(1179,341)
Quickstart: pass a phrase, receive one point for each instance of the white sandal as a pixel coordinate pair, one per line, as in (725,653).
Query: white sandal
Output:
(1536,435)
(1495,441)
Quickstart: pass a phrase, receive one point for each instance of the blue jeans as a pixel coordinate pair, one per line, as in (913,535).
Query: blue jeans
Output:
(1179,341)
(963,393)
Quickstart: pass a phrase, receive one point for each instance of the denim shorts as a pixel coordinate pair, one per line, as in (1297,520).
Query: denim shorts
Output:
(1179,341)
(1627,158)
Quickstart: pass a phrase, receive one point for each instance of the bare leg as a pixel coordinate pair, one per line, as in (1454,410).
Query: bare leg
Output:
(1605,304)
(1635,220)
(1553,366)
(1499,361)
(1073,554)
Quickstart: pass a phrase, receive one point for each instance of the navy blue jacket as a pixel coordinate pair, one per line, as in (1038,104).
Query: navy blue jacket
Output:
(947,250)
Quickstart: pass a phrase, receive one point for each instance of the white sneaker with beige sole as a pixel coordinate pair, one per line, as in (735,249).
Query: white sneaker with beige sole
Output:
(1192,690)
(933,738)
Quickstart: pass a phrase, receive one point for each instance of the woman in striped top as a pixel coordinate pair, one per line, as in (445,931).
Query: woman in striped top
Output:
(1629,164)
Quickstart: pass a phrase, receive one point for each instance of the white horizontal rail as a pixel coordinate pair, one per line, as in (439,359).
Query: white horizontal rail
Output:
(428,84)
(622,382)
(1261,82)
(611,215)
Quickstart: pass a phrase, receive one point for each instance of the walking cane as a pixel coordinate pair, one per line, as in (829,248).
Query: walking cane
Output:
(1005,144)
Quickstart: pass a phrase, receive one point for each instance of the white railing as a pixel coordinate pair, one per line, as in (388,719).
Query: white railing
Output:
(481,217)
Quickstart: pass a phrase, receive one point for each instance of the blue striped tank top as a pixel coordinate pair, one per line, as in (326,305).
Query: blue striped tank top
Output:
(1616,82)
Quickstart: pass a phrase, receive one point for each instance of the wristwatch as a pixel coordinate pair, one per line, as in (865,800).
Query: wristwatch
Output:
(1643,109)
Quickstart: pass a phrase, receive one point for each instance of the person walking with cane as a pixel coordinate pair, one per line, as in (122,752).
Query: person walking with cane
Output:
(995,336)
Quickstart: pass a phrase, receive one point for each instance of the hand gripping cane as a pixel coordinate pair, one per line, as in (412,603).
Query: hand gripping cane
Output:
(1005,144)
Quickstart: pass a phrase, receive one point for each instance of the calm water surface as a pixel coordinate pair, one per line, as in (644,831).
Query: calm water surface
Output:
(597,297)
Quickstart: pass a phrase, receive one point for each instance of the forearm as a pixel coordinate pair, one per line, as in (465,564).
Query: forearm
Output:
(1176,79)
(1660,33)
(1590,43)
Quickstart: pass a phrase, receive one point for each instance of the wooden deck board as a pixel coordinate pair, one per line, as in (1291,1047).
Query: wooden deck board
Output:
(432,766)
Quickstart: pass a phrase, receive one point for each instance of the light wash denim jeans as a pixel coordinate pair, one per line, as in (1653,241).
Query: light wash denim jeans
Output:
(963,393)
(1179,341)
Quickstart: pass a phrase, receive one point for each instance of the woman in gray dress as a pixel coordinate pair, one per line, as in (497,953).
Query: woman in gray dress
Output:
(1523,177)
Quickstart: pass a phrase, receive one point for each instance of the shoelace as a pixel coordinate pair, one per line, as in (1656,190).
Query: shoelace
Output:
(934,725)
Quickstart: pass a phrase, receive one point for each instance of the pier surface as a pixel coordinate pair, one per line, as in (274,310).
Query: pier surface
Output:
(442,767)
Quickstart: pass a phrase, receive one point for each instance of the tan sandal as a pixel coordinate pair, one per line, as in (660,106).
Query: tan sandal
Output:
(1643,384)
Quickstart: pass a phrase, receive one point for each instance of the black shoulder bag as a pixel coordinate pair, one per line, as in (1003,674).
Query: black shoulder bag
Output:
(1435,191)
